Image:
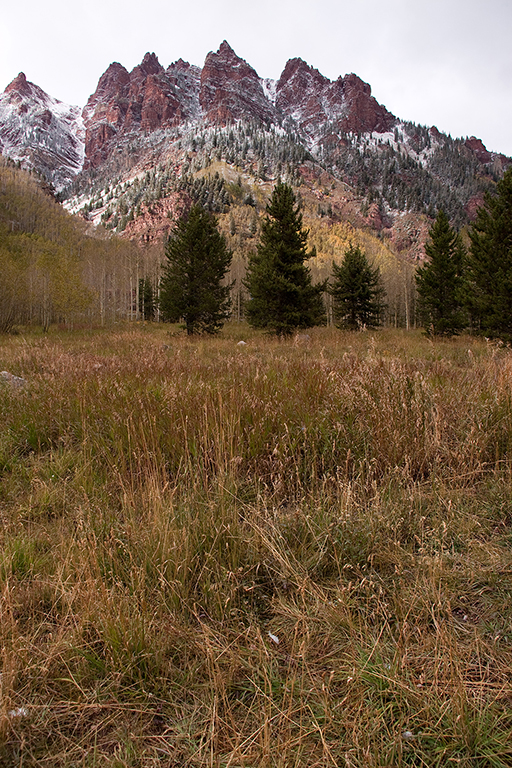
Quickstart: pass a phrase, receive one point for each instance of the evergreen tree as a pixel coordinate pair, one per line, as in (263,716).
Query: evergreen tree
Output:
(439,282)
(357,291)
(191,285)
(489,264)
(282,297)
(146,299)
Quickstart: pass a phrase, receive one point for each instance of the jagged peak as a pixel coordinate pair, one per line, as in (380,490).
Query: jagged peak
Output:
(22,88)
(148,66)
(180,64)
(479,149)
(114,78)
(115,67)
(226,48)
(298,65)
(17,83)
(226,53)
(355,83)
(115,72)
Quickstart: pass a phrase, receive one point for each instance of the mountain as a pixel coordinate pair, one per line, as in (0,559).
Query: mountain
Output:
(147,137)
(139,102)
(226,90)
(40,132)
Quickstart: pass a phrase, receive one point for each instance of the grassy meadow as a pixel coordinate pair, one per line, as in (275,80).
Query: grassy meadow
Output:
(275,555)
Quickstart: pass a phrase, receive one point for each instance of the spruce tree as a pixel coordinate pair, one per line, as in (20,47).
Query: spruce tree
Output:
(489,264)
(146,299)
(282,297)
(191,285)
(439,282)
(357,291)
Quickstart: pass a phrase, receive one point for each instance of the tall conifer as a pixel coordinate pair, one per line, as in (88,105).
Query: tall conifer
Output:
(282,297)
(489,264)
(439,282)
(357,291)
(191,286)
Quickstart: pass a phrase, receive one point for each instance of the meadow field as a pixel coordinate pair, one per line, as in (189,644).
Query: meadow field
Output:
(270,555)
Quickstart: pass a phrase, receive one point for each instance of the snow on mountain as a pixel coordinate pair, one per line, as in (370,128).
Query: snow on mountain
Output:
(186,115)
(41,132)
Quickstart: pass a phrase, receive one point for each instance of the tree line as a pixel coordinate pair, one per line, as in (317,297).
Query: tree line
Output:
(458,288)
(281,296)
(471,288)
(55,268)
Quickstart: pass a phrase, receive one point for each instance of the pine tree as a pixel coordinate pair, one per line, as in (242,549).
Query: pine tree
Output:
(282,297)
(146,299)
(357,291)
(439,282)
(489,264)
(191,285)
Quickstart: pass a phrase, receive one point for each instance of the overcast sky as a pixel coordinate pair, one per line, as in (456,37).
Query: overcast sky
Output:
(446,63)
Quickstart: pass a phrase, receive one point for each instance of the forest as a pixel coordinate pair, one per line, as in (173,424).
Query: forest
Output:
(98,269)
(56,268)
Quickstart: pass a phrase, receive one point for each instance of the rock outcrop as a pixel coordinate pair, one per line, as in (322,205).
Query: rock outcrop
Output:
(141,101)
(225,90)
(232,90)
(315,103)
(136,119)
(41,132)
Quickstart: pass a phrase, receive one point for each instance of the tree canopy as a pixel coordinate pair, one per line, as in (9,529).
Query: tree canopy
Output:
(53,266)
(357,291)
(191,285)
(489,264)
(282,297)
(439,282)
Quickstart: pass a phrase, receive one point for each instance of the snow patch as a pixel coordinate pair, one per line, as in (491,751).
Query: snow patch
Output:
(46,127)
(270,89)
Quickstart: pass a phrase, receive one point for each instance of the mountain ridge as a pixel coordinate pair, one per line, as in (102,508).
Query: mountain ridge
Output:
(174,122)
(224,90)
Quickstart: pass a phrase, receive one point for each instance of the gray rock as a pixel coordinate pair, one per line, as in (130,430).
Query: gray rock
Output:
(12,381)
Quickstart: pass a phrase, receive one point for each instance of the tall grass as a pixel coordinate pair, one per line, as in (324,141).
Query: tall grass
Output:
(273,555)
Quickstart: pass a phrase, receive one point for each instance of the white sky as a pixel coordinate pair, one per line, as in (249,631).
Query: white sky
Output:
(436,62)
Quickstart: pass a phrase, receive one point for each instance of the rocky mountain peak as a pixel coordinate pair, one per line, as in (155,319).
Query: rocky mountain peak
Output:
(180,65)
(153,115)
(479,149)
(298,72)
(363,112)
(145,99)
(300,94)
(21,90)
(115,80)
(149,66)
(231,89)
(226,50)
(40,131)
(313,101)
(352,84)
(19,85)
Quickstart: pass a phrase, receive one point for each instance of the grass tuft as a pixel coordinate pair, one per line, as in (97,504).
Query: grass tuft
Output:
(270,555)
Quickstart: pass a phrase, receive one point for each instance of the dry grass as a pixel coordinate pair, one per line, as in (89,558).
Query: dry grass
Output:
(271,555)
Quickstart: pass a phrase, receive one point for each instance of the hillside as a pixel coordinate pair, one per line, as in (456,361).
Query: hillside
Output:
(55,267)
(144,135)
